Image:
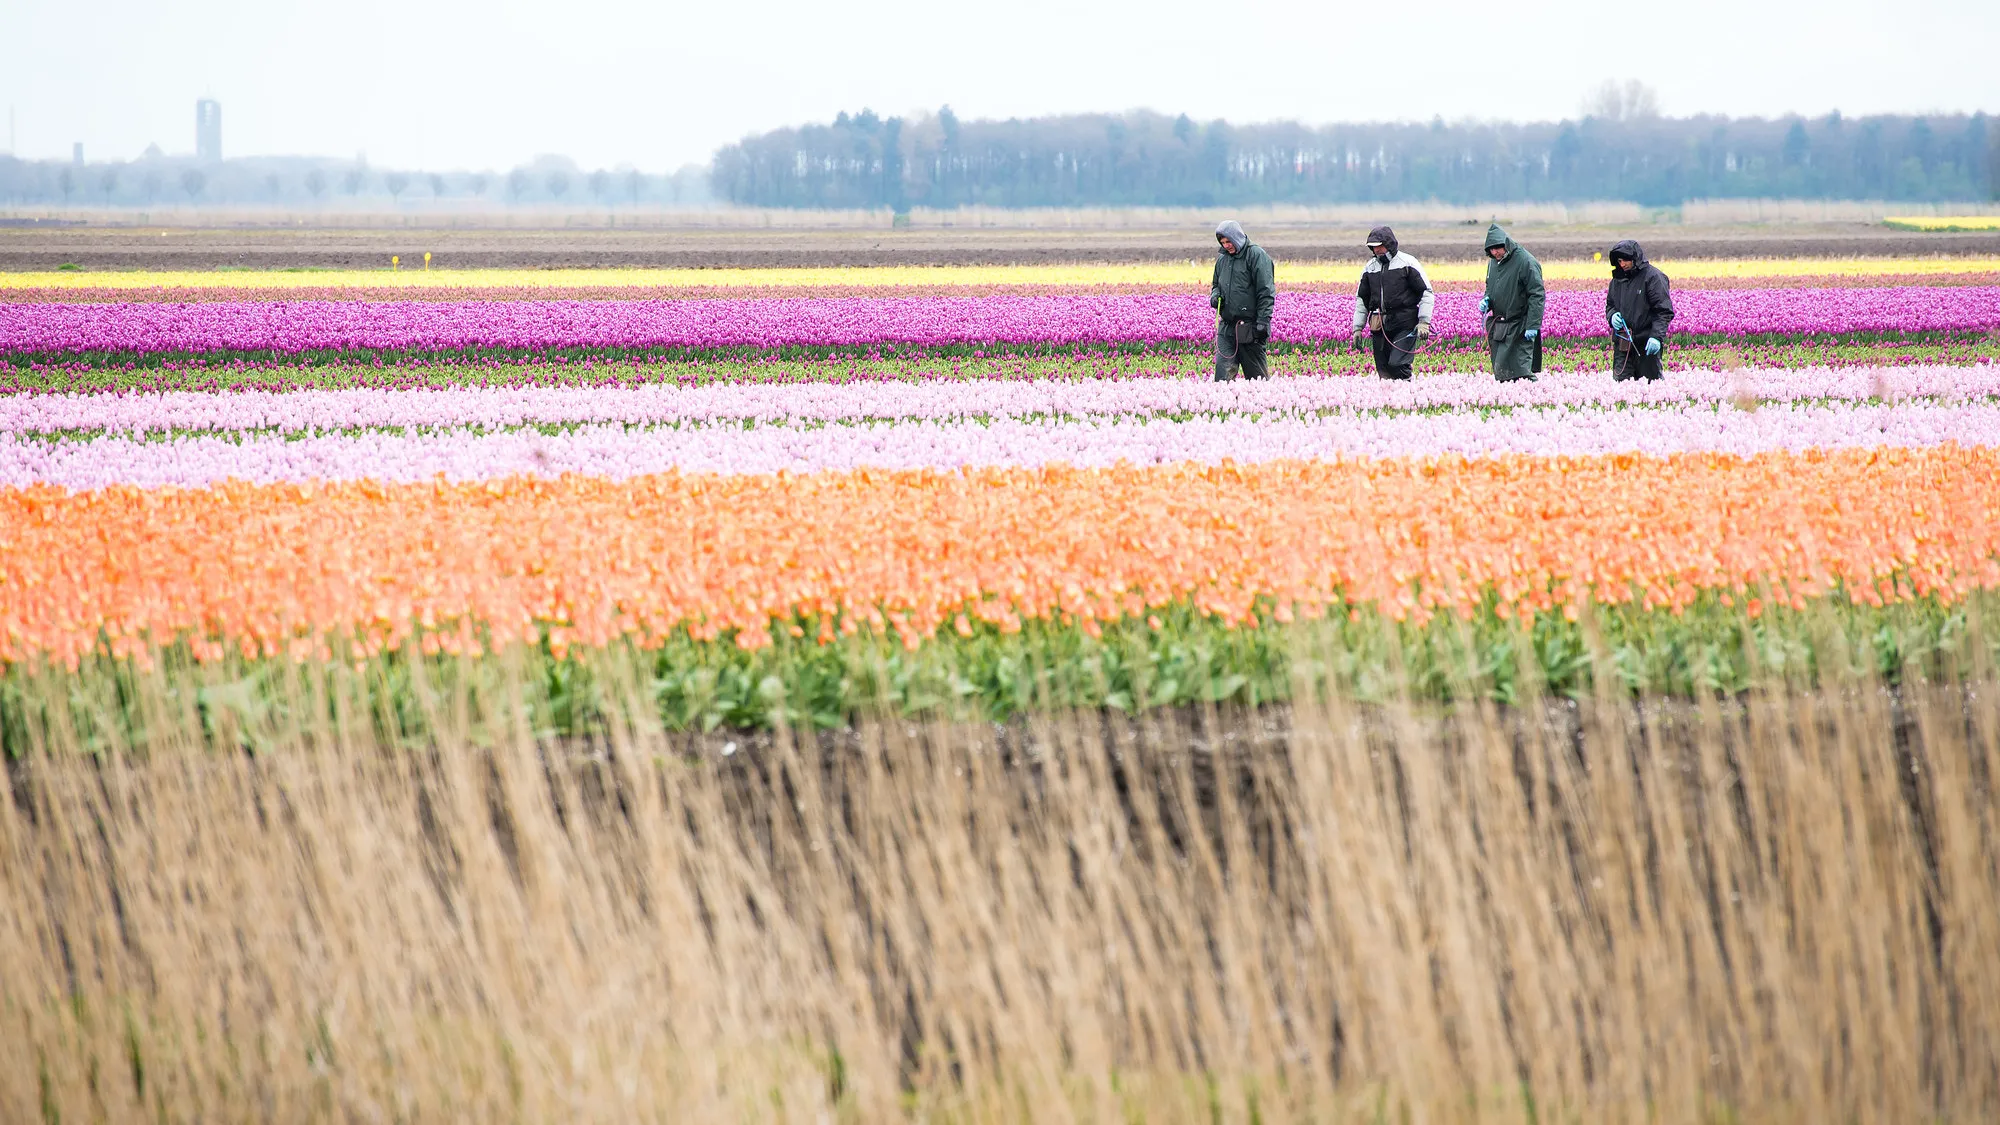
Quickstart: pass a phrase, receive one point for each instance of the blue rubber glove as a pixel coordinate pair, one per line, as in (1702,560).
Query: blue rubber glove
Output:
(1652,347)
(1618,322)
(1485,305)
(1531,333)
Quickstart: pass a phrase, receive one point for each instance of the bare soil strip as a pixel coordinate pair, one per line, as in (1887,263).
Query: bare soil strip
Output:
(106,295)
(209,248)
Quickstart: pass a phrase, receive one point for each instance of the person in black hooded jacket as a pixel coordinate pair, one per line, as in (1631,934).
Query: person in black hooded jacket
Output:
(1392,305)
(1640,310)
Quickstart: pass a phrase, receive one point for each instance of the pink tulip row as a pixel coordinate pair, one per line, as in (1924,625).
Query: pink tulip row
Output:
(618,451)
(851,322)
(307,411)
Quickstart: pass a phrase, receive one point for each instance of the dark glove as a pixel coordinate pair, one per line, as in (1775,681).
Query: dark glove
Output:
(1360,334)
(1215,301)
(1263,334)
(1423,330)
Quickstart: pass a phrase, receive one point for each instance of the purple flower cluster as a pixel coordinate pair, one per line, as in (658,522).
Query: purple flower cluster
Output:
(497,407)
(617,451)
(925,321)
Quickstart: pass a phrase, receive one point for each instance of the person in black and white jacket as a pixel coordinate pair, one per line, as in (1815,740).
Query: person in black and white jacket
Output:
(1392,305)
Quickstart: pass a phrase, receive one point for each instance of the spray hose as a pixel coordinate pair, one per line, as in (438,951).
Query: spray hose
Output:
(1235,345)
(1423,342)
(1630,350)
(1394,347)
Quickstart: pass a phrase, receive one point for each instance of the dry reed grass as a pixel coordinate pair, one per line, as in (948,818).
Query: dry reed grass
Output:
(1818,210)
(1780,907)
(482,215)
(490,214)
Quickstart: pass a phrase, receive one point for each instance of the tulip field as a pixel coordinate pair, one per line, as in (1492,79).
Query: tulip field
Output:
(926,695)
(677,329)
(795,495)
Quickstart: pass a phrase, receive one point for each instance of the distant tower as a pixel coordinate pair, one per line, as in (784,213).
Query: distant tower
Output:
(208,129)
(76,154)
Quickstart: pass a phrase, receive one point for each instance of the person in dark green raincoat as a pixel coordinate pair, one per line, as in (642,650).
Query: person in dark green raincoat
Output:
(1512,307)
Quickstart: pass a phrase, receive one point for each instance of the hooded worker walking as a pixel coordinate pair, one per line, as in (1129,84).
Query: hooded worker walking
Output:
(1512,307)
(1393,305)
(1640,309)
(1242,293)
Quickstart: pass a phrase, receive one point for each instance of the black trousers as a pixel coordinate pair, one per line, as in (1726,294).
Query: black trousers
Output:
(1635,364)
(1230,355)
(1395,348)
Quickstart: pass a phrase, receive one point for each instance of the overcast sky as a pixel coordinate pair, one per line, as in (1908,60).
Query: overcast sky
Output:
(443,84)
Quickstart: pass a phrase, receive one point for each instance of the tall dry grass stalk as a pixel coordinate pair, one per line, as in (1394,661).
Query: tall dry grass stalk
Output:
(1264,215)
(1723,211)
(374,212)
(1783,907)
(483,214)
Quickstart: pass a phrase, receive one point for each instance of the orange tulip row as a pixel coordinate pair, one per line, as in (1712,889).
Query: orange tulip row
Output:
(283,570)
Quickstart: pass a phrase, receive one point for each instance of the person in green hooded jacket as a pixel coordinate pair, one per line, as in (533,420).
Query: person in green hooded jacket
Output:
(1243,292)
(1512,307)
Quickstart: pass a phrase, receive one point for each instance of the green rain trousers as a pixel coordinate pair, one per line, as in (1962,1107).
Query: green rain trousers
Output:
(1514,355)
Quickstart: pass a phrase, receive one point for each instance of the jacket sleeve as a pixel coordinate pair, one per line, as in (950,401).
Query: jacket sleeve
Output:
(1427,303)
(1266,283)
(1215,282)
(1662,302)
(1361,301)
(1533,284)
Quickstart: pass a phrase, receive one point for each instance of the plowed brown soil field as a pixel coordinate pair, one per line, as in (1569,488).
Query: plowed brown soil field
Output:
(210,248)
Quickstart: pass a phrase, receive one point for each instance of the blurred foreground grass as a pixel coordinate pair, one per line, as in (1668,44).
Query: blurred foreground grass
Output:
(1776,902)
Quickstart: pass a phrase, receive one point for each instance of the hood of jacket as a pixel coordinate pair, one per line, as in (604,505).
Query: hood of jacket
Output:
(1627,248)
(1233,231)
(1496,235)
(1386,237)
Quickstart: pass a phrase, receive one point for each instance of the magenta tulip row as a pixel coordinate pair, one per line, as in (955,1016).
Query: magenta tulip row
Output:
(923,321)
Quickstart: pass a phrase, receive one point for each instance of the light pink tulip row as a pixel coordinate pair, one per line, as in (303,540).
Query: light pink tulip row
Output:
(618,451)
(308,411)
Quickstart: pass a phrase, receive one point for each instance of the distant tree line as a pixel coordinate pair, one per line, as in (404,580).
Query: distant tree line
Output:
(1622,151)
(156,180)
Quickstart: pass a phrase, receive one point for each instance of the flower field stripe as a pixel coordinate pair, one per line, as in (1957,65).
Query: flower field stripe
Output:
(218,373)
(1192,272)
(275,570)
(187,294)
(859,322)
(1943,222)
(306,411)
(617,452)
